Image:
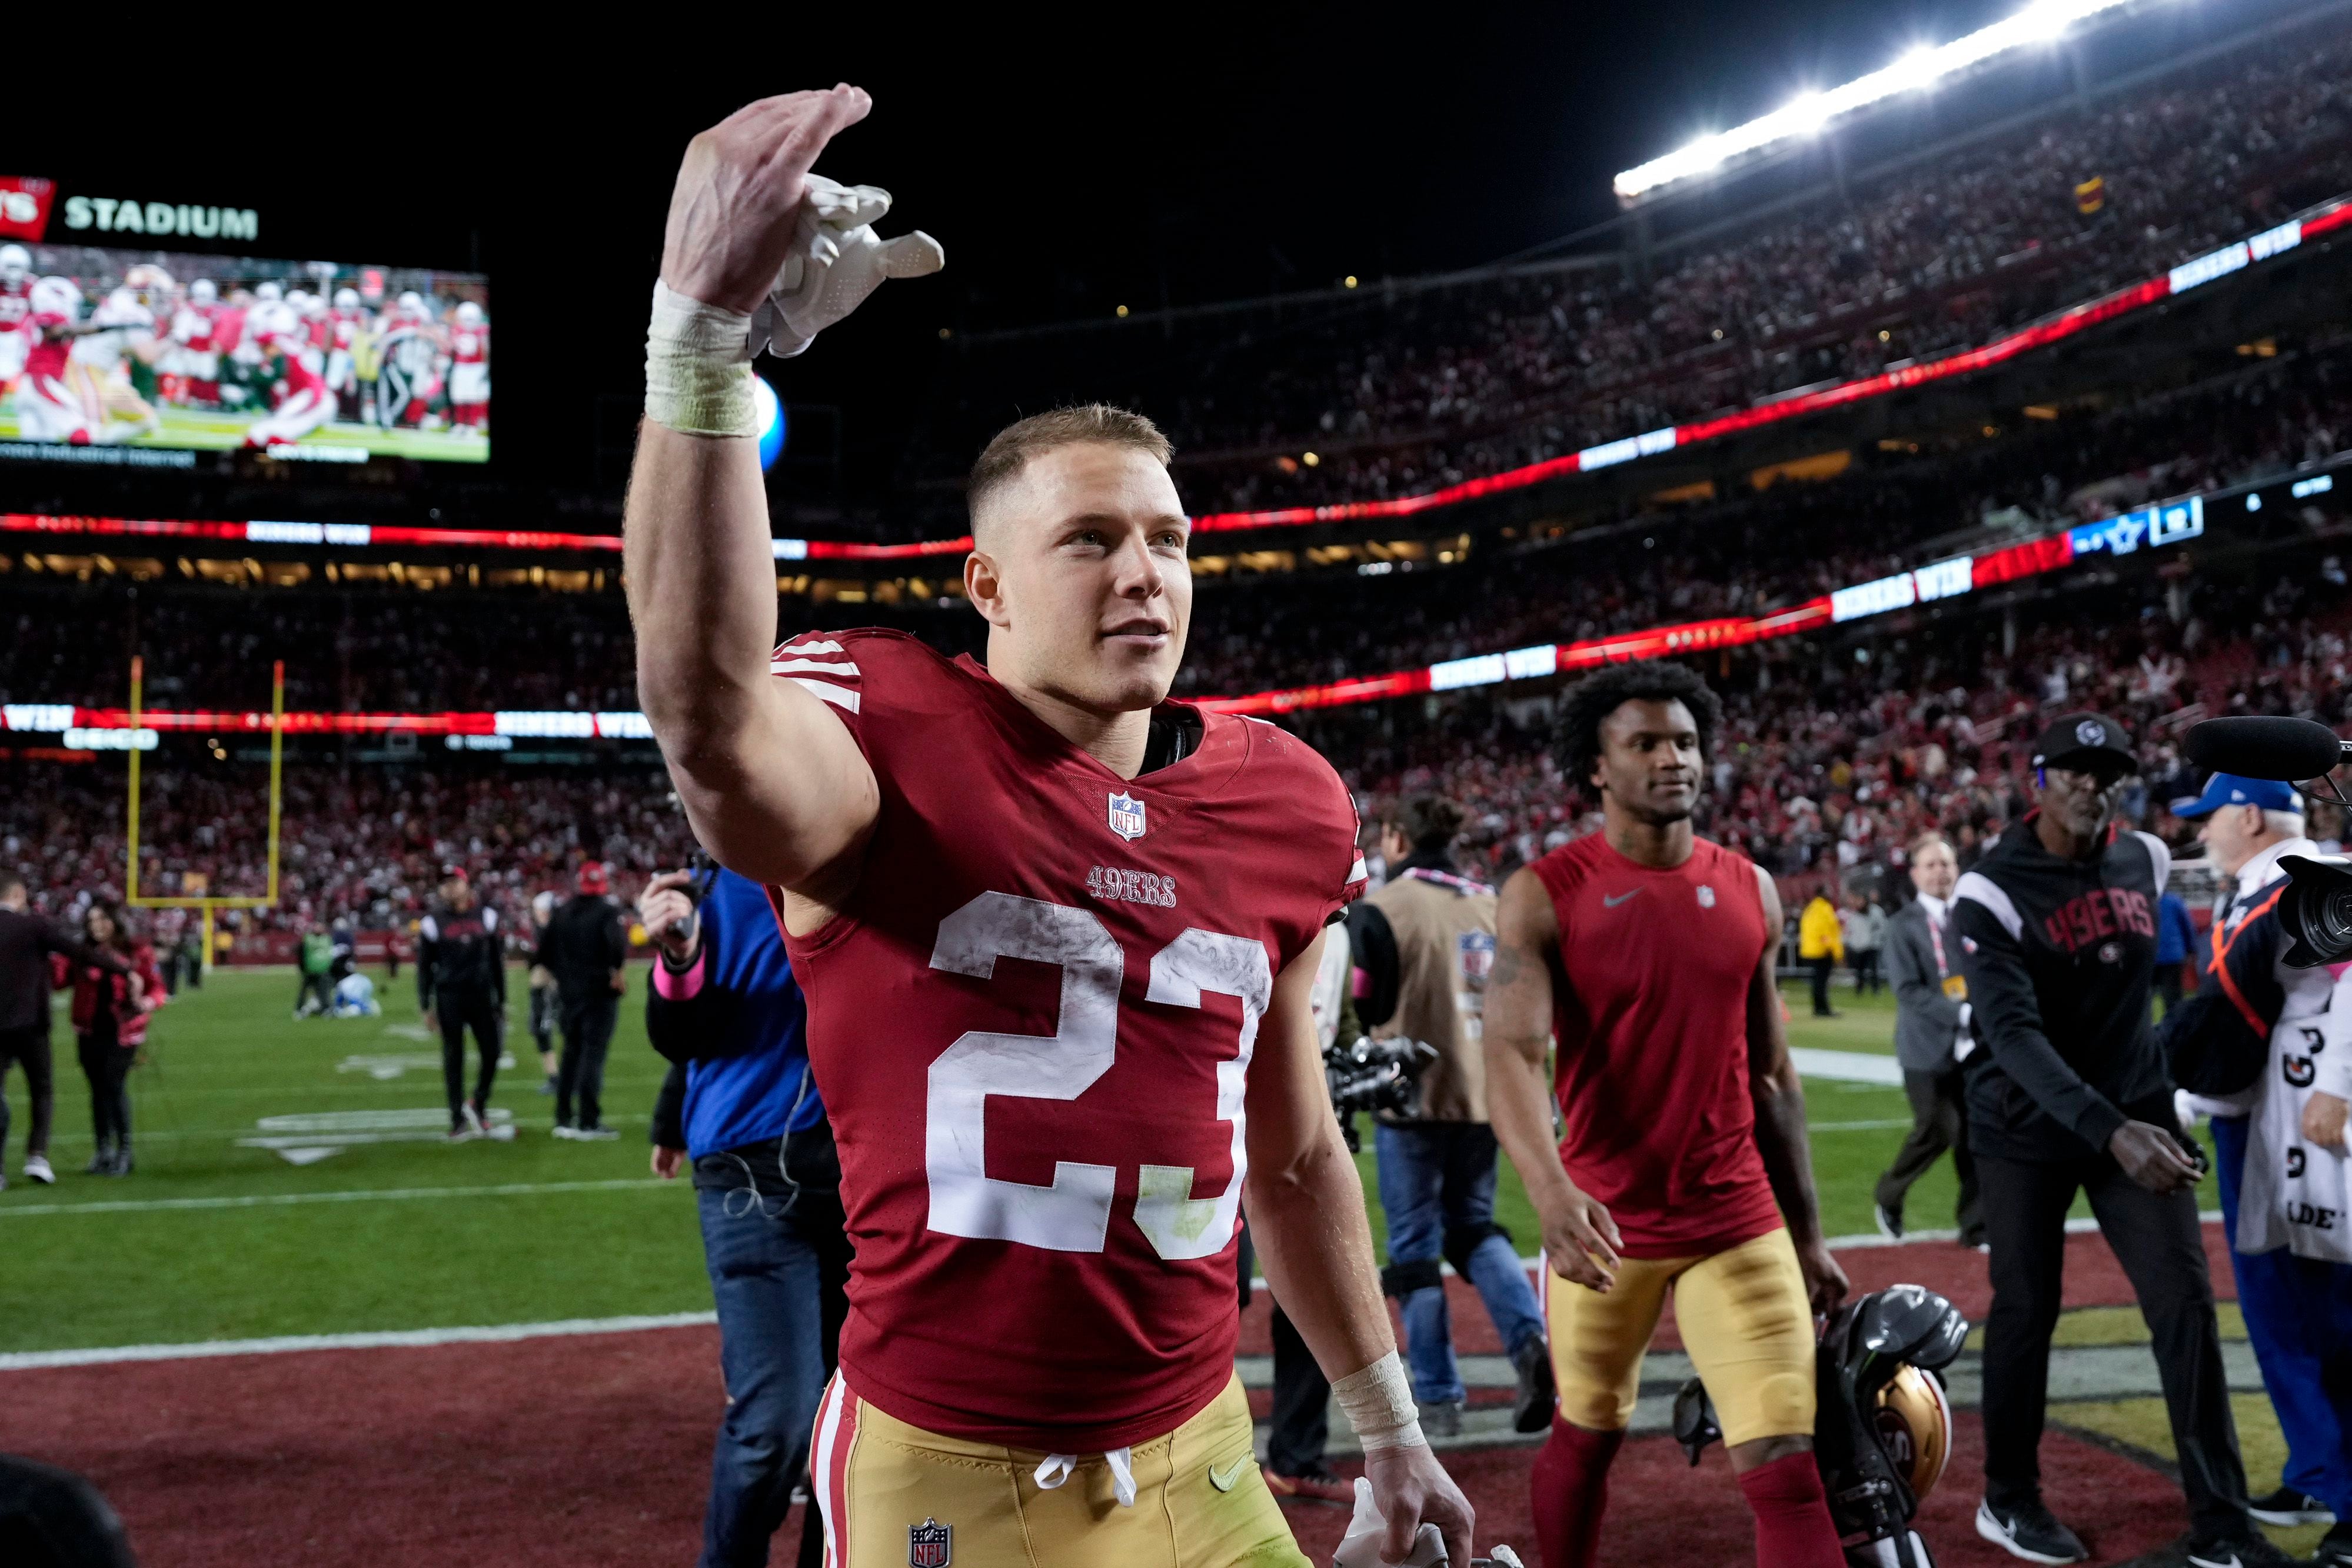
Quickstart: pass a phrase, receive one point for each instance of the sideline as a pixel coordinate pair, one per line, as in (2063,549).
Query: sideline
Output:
(287,1200)
(35,1360)
(32,1360)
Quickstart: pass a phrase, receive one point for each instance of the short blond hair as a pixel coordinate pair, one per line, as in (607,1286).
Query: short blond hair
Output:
(1003,458)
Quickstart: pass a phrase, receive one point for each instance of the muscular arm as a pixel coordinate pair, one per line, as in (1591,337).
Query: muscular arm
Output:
(1306,1218)
(1305,1201)
(1579,1237)
(773,784)
(1779,1099)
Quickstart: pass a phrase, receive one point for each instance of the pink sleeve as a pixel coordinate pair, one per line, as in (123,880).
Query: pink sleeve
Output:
(676,986)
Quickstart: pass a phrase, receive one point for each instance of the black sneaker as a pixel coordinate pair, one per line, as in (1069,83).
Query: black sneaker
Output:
(1890,1221)
(1538,1395)
(2287,1506)
(1442,1420)
(2028,1531)
(2335,1547)
(2254,1551)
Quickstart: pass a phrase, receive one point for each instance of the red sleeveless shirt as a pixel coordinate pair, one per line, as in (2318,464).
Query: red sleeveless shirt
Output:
(1652,1023)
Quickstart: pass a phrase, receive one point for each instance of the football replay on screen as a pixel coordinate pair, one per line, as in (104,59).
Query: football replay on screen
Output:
(126,340)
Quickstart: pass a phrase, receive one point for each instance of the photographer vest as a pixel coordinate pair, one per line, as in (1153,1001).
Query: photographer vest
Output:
(1444,930)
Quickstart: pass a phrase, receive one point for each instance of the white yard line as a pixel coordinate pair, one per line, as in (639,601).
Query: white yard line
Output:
(1847,1066)
(288,1200)
(32,1360)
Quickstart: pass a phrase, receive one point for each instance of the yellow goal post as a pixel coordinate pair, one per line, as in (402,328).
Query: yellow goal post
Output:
(206,904)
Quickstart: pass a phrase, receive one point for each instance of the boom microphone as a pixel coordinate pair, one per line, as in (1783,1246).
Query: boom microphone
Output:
(2283,748)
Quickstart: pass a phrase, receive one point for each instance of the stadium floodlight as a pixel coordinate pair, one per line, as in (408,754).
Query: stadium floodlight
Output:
(2038,23)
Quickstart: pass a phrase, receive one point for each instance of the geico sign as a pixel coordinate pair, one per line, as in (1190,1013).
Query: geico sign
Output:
(161,218)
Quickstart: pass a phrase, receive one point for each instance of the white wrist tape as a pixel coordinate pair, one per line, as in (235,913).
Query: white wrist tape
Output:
(1378,1405)
(699,367)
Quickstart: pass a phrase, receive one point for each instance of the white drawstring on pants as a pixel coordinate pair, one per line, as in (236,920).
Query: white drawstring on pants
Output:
(1057,1468)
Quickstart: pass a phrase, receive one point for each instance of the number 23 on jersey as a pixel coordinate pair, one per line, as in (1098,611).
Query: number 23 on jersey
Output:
(1073,1214)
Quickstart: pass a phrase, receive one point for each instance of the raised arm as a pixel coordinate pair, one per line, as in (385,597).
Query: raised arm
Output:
(772,783)
(1581,1240)
(1780,1097)
(1307,1219)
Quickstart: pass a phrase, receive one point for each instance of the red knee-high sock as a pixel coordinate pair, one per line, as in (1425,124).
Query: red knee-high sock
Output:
(1571,1489)
(1793,1529)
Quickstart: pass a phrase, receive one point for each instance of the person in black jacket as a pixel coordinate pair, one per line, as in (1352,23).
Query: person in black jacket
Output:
(461,984)
(2057,928)
(586,947)
(26,940)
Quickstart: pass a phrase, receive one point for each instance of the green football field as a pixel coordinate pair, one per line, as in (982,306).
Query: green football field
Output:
(214,1239)
(205,431)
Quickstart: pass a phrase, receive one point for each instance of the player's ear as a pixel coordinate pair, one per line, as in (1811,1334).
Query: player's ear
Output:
(984,585)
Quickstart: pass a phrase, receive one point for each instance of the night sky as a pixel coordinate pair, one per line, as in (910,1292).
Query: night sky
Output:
(1068,165)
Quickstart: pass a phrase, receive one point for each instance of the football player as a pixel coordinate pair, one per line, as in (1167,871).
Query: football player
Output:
(15,309)
(469,371)
(47,407)
(301,403)
(1058,936)
(1648,953)
(347,322)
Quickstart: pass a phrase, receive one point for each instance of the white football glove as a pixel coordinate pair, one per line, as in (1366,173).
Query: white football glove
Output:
(836,261)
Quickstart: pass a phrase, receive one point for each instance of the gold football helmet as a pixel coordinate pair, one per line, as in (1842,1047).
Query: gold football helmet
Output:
(1915,1424)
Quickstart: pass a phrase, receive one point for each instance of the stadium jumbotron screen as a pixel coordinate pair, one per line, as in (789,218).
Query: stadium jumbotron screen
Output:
(147,356)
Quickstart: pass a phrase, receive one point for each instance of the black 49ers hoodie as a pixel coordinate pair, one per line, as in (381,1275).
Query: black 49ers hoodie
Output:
(2059,955)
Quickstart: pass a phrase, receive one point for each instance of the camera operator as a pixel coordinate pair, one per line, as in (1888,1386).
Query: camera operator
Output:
(1424,943)
(2070,1094)
(725,1009)
(2295,1280)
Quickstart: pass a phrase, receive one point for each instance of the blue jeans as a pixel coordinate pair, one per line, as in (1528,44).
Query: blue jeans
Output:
(2298,1315)
(1437,1189)
(778,1281)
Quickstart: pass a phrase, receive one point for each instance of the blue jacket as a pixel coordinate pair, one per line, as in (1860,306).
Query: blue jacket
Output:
(2175,935)
(736,1026)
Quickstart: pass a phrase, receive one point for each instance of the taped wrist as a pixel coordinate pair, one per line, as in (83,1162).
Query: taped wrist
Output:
(1378,1405)
(699,367)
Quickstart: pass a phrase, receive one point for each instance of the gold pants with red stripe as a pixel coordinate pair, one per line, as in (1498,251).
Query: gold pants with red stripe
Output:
(894,1494)
(1744,1318)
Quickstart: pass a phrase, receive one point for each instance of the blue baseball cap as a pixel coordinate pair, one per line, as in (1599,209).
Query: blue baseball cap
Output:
(2237,790)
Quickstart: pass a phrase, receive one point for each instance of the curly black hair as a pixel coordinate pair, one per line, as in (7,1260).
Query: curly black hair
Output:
(1602,693)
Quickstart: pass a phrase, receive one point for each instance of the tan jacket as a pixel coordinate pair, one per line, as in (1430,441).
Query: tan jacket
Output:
(1444,930)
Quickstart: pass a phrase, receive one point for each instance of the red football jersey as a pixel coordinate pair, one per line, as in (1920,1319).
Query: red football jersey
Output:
(47,358)
(1032,1025)
(470,346)
(1651,1022)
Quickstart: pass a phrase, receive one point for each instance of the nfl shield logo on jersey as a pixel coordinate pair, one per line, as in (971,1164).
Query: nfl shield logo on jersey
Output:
(1706,897)
(1126,815)
(930,1544)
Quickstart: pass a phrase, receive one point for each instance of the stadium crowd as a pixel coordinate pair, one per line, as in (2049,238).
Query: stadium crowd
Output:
(1832,760)
(393,650)
(1401,394)
(365,845)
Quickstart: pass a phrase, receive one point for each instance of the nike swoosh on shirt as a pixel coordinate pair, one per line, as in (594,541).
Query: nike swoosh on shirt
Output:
(1608,903)
(1223,1480)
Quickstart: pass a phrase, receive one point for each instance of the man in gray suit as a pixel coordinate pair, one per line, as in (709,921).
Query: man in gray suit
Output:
(1931,1038)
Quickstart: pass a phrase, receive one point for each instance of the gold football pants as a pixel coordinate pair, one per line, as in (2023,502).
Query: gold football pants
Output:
(894,1494)
(1745,1320)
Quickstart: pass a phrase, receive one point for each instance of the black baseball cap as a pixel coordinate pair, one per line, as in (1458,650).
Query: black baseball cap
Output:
(2081,740)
